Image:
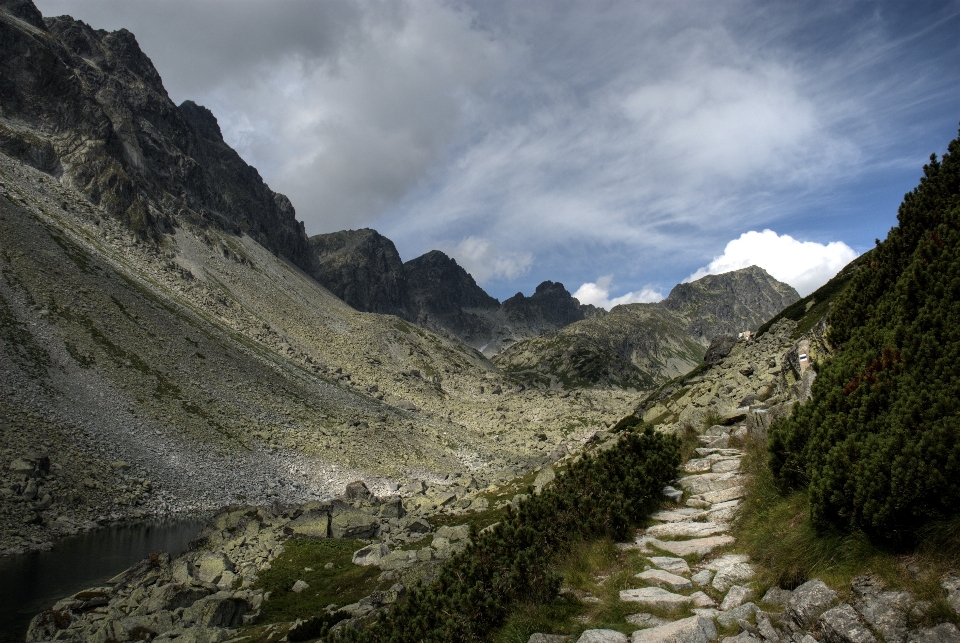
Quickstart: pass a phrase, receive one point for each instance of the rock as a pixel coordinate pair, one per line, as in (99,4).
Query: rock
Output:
(222,609)
(700,599)
(745,637)
(370,555)
(312,524)
(419,526)
(357,491)
(724,495)
(458,532)
(701,546)
(673,494)
(665,579)
(721,442)
(736,596)
(886,612)
(808,602)
(777,596)
(952,586)
(354,524)
(731,575)
(670,564)
(299,586)
(655,598)
(398,560)
(392,508)
(841,625)
(172,596)
(686,530)
(943,633)
(725,466)
(642,619)
(745,611)
(602,636)
(545,477)
(548,638)
(702,577)
(413,488)
(695,629)
(746,370)
(720,347)
(210,567)
(479,504)
(766,629)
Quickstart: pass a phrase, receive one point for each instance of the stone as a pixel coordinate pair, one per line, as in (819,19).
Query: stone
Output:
(357,490)
(392,508)
(686,530)
(808,602)
(767,630)
(417,487)
(951,584)
(731,575)
(642,619)
(354,524)
(695,629)
(398,560)
(741,612)
(458,532)
(548,638)
(209,567)
(419,526)
(706,482)
(697,503)
(698,465)
(299,586)
(680,514)
(672,493)
(545,477)
(670,564)
(742,637)
(721,442)
(665,579)
(841,625)
(222,609)
(701,546)
(724,495)
(776,596)
(602,636)
(943,633)
(479,504)
(725,466)
(370,555)
(700,599)
(311,524)
(702,578)
(886,612)
(655,597)
(171,596)
(736,596)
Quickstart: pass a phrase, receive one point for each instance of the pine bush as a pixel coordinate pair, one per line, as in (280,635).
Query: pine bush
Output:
(878,446)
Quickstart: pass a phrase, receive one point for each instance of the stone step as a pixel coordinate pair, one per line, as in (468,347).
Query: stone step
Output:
(694,629)
(716,497)
(665,579)
(655,598)
(686,529)
(673,565)
(701,546)
(681,514)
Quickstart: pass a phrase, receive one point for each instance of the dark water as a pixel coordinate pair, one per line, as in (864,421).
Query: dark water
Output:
(32,583)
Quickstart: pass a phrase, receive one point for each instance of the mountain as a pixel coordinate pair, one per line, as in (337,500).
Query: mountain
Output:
(641,345)
(364,269)
(163,345)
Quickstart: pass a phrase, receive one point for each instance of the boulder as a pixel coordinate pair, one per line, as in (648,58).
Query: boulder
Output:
(886,612)
(695,629)
(299,586)
(943,633)
(370,555)
(670,564)
(686,530)
(642,619)
(170,597)
(312,524)
(357,491)
(545,477)
(354,524)
(209,567)
(776,596)
(392,508)
(841,625)
(808,602)
(731,575)
(741,612)
(655,598)
(602,636)
(701,546)
(222,609)
(398,560)
(457,532)
(665,579)
(736,596)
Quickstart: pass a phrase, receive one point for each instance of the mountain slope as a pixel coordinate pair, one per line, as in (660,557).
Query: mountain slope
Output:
(363,268)
(641,345)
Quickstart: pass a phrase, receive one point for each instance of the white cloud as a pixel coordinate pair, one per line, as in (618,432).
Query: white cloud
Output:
(484,261)
(805,265)
(598,294)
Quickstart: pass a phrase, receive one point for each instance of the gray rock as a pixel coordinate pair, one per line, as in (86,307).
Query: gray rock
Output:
(841,625)
(458,532)
(670,564)
(731,575)
(642,619)
(766,629)
(210,567)
(886,612)
(171,596)
(370,555)
(354,524)
(952,586)
(398,560)
(655,597)
(742,637)
(299,586)
(776,596)
(312,524)
(217,610)
(419,526)
(665,579)
(808,602)
(702,578)
(736,596)
(548,638)
(392,508)
(695,629)
(730,618)
(672,493)
(545,477)
(357,491)
(602,636)
(943,633)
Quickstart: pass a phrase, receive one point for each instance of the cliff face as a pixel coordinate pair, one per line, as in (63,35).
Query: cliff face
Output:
(88,107)
(640,345)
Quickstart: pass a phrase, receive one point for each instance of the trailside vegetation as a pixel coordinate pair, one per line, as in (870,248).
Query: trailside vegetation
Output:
(878,446)
(601,495)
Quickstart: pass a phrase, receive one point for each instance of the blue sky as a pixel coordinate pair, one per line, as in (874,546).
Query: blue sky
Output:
(618,147)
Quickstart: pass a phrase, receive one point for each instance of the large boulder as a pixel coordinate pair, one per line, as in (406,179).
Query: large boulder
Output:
(312,524)
(222,609)
(808,602)
(209,568)
(695,629)
(841,625)
(354,524)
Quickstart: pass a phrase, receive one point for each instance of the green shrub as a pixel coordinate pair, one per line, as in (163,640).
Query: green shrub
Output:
(878,446)
(602,495)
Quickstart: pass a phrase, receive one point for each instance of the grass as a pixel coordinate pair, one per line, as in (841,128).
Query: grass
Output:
(776,531)
(342,584)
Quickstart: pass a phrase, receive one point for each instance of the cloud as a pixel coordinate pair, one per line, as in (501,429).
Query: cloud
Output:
(805,265)
(485,262)
(598,294)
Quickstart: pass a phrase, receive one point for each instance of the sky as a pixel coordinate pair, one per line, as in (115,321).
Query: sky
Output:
(617,147)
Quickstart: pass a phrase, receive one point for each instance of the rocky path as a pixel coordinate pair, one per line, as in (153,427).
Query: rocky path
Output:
(697,587)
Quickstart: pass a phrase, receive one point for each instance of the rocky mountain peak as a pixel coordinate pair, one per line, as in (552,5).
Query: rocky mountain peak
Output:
(439,281)
(24,10)
(202,120)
